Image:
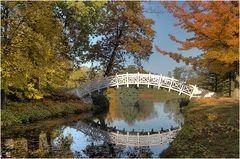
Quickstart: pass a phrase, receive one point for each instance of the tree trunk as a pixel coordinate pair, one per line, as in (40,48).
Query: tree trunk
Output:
(102,122)
(3,99)
(216,83)
(229,84)
(236,82)
(49,140)
(110,63)
(114,53)
(236,86)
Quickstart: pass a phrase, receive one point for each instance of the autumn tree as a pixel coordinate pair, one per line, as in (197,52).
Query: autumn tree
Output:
(124,32)
(80,76)
(33,53)
(215,28)
(79,19)
(40,44)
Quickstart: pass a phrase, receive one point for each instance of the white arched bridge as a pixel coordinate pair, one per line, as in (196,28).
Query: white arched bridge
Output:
(158,81)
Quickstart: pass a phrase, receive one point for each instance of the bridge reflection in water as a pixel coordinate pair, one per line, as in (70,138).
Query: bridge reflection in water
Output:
(128,138)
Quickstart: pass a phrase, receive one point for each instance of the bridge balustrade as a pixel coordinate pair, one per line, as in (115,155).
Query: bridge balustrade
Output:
(158,81)
(128,139)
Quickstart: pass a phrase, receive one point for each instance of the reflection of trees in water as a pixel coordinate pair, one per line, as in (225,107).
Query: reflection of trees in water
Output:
(107,150)
(140,110)
(101,150)
(127,106)
(49,143)
(59,147)
(172,108)
(61,144)
(139,152)
(53,144)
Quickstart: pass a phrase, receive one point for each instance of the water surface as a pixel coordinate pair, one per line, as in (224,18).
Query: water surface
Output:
(63,138)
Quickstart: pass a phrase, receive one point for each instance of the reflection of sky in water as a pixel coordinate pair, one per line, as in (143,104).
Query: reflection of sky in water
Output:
(81,140)
(163,117)
(160,119)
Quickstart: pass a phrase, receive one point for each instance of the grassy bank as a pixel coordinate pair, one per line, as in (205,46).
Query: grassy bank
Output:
(27,112)
(161,94)
(211,129)
(151,93)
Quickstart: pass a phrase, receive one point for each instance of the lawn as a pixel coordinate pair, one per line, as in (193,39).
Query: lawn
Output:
(211,129)
(27,112)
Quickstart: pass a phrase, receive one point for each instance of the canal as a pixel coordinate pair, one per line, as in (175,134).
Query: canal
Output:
(128,110)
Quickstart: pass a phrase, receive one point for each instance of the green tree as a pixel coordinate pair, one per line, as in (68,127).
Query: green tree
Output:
(33,53)
(184,74)
(203,78)
(133,69)
(80,19)
(41,42)
(82,75)
(122,33)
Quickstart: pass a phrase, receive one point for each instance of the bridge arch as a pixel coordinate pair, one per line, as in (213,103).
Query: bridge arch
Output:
(127,79)
(127,138)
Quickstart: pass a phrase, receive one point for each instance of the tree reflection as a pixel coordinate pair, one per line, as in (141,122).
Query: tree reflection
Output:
(125,104)
(107,150)
(101,150)
(61,144)
(174,112)
(39,144)
(139,152)
(140,110)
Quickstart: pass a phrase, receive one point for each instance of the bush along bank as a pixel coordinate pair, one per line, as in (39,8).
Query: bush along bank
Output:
(211,129)
(100,102)
(27,112)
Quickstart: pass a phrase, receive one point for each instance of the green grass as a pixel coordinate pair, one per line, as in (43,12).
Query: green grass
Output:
(211,129)
(161,94)
(150,93)
(27,112)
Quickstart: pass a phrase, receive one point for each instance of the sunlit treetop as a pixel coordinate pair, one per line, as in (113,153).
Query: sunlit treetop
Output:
(215,29)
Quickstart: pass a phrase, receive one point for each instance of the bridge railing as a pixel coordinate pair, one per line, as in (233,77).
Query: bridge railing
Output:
(127,79)
(128,139)
(143,140)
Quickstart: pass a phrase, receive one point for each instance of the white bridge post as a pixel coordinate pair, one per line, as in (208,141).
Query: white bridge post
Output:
(117,135)
(127,80)
(116,80)
(149,140)
(149,77)
(194,88)
(138,137)
(180,91)
(170,86)
(159,137)
(138,80)
(159,81)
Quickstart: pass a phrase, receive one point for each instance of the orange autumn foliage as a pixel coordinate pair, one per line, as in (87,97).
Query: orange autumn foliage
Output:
(113,112)
(215,28)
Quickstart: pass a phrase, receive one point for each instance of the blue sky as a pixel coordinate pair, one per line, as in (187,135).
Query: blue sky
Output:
(164,25)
